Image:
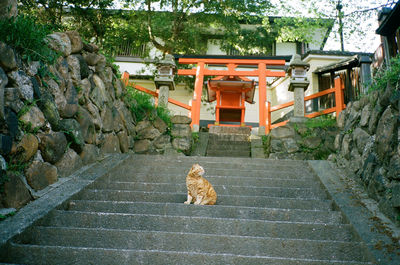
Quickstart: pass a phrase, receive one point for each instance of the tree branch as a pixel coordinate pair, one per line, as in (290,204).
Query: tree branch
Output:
(149,29)
(369,9)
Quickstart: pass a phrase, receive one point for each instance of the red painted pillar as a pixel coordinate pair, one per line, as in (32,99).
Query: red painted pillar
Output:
(268,129)
(196,102)
(338,96)
(262,97)
(125,78)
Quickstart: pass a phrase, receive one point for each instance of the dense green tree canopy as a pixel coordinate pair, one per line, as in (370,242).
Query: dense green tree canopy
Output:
(185,26)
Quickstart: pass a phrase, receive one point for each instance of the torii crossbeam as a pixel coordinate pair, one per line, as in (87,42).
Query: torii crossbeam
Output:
(202,70)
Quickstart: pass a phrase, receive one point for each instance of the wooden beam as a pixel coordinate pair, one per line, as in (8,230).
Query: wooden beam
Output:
(155,94)
(268,73)
(231,61)
(282,106)
(319,94)
(319,113)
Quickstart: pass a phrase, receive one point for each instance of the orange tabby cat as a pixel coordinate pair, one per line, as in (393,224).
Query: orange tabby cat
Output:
(199,189)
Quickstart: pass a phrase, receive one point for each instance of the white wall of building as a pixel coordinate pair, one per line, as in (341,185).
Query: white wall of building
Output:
(316,61)
(277,91)
(136,68)
(214,48)
(285,48)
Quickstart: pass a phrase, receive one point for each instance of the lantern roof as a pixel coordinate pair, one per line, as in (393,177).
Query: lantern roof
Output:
(296,61)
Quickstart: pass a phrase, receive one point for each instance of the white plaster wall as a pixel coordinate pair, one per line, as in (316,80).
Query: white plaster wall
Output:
(214,48)
(316,61)
(317,39)
(285,48)
(134,68)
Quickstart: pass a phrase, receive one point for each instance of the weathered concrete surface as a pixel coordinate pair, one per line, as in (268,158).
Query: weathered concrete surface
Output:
(200,147)
(270,212)
(61,191)
(374,229)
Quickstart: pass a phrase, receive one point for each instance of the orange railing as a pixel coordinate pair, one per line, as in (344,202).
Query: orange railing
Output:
(339,100)
(125,80)
(337,90)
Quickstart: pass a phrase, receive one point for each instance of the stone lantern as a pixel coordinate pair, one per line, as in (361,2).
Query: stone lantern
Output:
(298,84)
(164,79)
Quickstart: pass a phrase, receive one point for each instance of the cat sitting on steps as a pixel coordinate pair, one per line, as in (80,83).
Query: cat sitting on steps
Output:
(199,189)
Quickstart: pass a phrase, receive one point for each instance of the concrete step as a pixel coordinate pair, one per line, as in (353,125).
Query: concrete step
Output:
(214,180)
(198,243)
(217,211)
(229,137)
(229,129)
(267,212)
(250,201)
(236,144)
(230,153)
(228,148)
(233,163)
(312,193)
(231,172)
(31,254)
(259,163)
(201,225)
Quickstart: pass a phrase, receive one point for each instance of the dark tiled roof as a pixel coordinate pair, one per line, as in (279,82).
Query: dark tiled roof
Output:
(350,62)
(337,53)
(391,23)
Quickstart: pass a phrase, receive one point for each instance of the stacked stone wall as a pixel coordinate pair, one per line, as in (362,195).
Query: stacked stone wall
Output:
(54,119)
(297,141)
(368,146)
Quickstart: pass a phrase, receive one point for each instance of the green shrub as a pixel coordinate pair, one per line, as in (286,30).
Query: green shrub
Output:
(165,115)
(386,75)
(27,37)
(142,106)
(195,137)
(322,121)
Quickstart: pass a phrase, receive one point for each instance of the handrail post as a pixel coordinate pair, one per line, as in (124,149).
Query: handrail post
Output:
(196,101)
(125,78)
(268,127)
(262,95)
(338,96)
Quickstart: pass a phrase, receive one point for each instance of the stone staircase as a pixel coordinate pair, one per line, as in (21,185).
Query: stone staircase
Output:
(229,141)
(268,212)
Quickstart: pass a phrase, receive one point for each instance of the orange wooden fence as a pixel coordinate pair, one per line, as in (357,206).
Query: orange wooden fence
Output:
(339,102)
(125,80)
(337,90)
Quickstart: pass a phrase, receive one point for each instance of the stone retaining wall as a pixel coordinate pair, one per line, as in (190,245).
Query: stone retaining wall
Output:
(368,146)
(56,119)
(297,141)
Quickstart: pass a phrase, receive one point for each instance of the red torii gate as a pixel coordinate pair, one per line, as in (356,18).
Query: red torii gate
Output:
(261,72)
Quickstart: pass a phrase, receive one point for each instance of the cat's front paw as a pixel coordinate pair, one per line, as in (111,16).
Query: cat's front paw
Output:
(187,202)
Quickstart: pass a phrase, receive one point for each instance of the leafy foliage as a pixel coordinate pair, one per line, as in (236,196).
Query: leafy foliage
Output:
(323,121)
(91,18)
(165,115)
(27,37)
(387,75)
(174,26)
(141,104)
(184,26)
(3,217)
